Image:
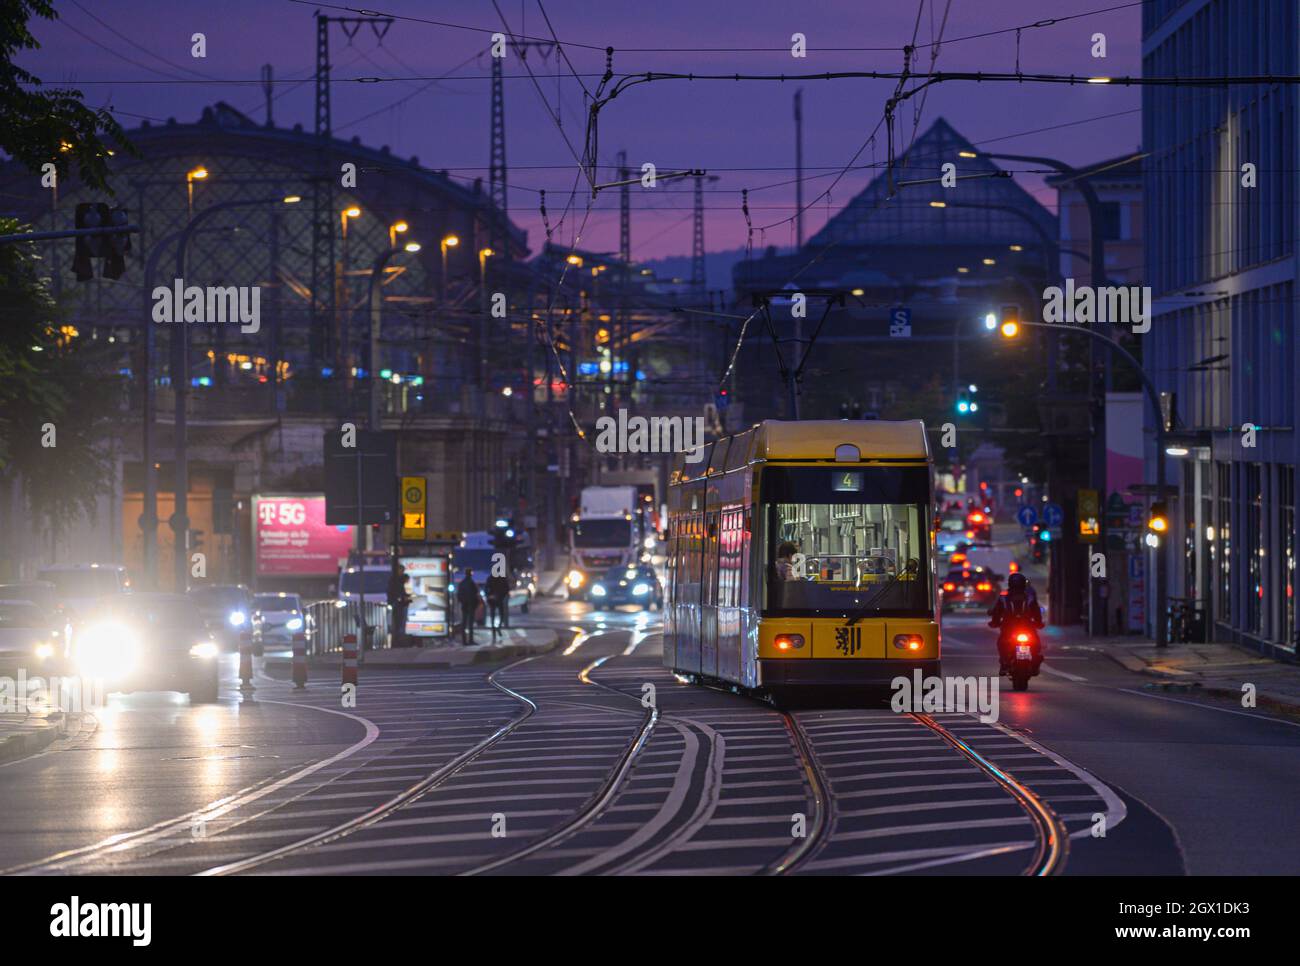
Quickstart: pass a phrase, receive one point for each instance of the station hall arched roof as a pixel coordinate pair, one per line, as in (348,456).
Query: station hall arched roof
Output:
(223,130)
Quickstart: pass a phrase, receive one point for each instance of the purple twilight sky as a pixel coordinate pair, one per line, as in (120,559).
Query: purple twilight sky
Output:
(138,56)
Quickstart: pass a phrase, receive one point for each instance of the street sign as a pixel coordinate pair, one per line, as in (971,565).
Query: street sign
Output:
(414,507)
(1053,515)
(900,322)
(1027,516)
(1088,513)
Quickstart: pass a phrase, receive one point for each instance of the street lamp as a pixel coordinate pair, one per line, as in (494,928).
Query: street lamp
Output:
(448,241)
(376,305)
(395,229)
(191,176)
(180,374)
(1153,397)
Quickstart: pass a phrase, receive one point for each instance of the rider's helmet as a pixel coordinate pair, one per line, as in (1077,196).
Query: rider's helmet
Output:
(1017,584)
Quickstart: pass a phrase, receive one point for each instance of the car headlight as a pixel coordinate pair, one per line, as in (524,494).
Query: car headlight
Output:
(294,623)
(649,543)
(204,649)
(597,590)
(576,578)
(106,651)
(237,618)
(640,590)
(44,651)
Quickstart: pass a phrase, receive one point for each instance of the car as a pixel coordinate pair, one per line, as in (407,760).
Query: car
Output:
(627,584)
(148,642)
(279,620)
(80,586)
(30,635)
(969,586)
(227,610)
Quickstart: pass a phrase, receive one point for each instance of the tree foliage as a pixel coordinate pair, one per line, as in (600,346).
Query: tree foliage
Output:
(39,126)
(54,387)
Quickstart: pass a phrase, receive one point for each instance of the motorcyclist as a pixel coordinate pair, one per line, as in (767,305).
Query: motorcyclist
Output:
(1017,604)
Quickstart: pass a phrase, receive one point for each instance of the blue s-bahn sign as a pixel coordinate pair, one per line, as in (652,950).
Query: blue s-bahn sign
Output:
(900,322)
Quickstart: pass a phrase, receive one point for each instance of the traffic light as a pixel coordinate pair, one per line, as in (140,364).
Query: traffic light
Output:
(1041,541)
(723,400)
(1009,320)
(1157,523)
(90,214)
(963,402)
(111,248)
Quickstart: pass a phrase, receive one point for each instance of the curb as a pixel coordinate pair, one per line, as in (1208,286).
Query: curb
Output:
(31,742)
(479,657)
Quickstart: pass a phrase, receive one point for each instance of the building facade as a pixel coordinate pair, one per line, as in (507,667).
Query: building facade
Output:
(1222,260)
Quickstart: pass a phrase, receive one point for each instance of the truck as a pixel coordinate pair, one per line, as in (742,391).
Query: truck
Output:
(604,533)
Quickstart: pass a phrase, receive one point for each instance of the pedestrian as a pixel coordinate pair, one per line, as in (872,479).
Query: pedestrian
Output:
(399,602)
(498,600)
(469,599)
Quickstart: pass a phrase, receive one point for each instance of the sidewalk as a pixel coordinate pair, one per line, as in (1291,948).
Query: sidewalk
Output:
(514,642)
(1214,669)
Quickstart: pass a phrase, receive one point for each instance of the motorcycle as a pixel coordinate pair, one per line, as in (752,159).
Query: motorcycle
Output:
(1026,655)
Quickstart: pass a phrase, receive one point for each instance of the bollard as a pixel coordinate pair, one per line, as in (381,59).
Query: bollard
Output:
(350,659)
(245,665)
(299,661)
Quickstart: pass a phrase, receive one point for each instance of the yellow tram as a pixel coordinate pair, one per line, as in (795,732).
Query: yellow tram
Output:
(802,554)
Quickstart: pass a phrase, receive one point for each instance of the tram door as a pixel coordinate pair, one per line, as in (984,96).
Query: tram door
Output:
(709,597)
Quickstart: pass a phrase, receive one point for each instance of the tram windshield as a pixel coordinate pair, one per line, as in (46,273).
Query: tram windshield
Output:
(844,541)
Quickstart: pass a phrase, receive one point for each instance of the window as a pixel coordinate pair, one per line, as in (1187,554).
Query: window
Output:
(602,533)
(868,556)
(1111,221)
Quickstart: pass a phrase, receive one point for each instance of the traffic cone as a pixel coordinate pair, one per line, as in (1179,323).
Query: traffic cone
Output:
(350,659)
(299,662)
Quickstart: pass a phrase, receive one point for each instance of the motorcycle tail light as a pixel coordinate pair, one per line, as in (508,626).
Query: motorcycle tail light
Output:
(1022,638)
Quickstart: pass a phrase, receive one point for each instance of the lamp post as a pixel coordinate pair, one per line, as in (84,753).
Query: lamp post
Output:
(448,241)
(376,306)
(1097,359)
(191,176)
(180,373)
(483,255)
(1011,329)
(344,360)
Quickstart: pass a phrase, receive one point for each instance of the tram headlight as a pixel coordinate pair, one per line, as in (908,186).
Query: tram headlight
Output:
(788,642)
(909,642)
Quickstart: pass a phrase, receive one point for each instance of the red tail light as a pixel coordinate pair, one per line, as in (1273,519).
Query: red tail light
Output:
(1022,638)
(984,586)
(950,587)
(786,642)
(909,642)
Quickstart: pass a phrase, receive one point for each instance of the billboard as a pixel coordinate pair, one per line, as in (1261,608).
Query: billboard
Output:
(292,539)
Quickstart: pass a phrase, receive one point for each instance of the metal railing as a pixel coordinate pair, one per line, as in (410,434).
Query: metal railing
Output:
(331,620)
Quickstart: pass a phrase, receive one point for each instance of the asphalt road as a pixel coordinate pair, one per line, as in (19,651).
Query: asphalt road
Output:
(592,759)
